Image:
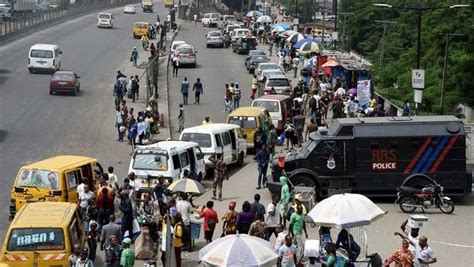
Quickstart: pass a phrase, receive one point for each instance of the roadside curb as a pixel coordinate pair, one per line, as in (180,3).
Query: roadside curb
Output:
(167,86)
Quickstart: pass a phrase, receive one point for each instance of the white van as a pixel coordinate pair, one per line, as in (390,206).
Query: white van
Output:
(44,57)
(223,138)
(239,33)
(105,20)
(210,19)
(166,159)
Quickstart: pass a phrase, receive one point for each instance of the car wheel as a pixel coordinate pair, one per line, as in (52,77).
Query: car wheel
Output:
(194,65)
(78,88)
(50,92)
(207,45)
(30,70)
(74,92)
(306,181)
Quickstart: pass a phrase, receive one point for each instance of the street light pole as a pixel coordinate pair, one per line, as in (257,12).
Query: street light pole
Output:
(445,69)
(382,42)
(418,46)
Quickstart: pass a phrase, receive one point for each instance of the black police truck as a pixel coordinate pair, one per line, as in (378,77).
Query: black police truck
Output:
(374,156)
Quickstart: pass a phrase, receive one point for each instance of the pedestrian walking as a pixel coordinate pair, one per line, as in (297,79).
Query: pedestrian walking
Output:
(105,202)
(229,220)
(185,90)
(198,91)
(406,108)
(83,260)
(72,259)
(119,124)
(295,61)
(126,208)
(298,122)
(134,56)
(108,230)
(245,218)
(118,93)
(206,121)
(185,209)
(259,139)
(256,207)
(284,199)
(287,254)
(263,157)
(92,237)
(254,86)
(258,228)
(289,131)
(112,252)
(310,128)
(297,227)
(402,256)
(272,139)
(181,118)
(127,258)
(176,65)
(178,234)
(272,218)
(228,102)
(237,95)
(220,172)
(210,221)
(152,49)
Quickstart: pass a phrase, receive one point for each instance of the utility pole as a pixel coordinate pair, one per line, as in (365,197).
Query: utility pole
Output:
(382,41)
(445,68)
(342,36)
(324,22)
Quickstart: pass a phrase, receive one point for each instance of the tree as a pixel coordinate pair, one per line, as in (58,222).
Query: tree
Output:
(364,36)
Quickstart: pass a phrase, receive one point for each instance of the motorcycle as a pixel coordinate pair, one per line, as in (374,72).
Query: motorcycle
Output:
(145,45)
(431,196)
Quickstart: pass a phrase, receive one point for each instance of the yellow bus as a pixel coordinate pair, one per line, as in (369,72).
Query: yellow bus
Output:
(169,3)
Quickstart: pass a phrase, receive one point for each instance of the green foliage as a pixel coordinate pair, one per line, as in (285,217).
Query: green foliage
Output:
(306,9)
(393,77)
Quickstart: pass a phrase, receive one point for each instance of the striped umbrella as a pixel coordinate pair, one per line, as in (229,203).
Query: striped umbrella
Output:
(254,13)
(187,186)
(295,37)
(310,47)
(288,33)
(238,250)
(278,29)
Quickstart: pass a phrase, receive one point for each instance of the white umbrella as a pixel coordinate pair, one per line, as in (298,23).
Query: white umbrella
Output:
(278,28)
(295,37)
(264,19)
(238,250)
(345,211)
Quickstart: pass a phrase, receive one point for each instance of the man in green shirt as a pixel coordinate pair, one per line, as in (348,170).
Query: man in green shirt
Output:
(297,226)
(128,257)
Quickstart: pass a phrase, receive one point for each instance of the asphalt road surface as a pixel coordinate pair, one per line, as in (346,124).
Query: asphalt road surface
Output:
(35,125)
(451,236)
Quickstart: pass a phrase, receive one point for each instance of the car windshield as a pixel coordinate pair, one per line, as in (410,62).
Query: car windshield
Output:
(141,25)
(309,147)
(260,58)
(214,16)
(243,121)
(33,239)
(151,160)
(231,28)
(268,66)
(271,106)
(214,34)
(230,18)
(104,16)
(185,50)
(42,53)
(278,82)
(63,77)
(41,179)
(204,140)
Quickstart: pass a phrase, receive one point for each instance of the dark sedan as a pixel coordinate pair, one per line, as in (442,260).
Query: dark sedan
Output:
(251,53)
(254,60)
(64,82)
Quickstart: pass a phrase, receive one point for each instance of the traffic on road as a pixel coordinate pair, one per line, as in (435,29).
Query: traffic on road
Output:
(281,156)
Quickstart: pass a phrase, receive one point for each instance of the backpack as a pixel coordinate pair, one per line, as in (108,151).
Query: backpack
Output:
(211,223)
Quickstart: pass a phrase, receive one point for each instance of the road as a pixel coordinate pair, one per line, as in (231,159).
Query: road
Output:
(451,236)
(35,125)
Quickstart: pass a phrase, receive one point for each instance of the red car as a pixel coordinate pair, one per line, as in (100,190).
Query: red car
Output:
(64,82)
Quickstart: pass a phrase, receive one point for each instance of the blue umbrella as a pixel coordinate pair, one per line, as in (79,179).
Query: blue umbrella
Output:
(282,25)
(254,13)
(302,42)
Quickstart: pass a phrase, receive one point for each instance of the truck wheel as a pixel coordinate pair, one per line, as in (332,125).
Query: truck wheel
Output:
(240,161)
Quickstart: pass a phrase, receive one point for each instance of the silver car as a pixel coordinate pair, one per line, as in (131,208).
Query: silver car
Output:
(214,38)
(187,54)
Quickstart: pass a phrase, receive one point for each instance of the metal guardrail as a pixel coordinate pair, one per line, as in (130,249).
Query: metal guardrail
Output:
(9,27)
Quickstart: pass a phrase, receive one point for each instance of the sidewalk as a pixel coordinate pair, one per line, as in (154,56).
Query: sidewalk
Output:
(141,103)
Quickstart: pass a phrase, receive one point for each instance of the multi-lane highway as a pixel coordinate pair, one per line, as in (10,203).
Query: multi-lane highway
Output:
(35,125)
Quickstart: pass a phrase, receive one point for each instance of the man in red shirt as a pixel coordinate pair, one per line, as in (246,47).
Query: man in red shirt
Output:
(210,220)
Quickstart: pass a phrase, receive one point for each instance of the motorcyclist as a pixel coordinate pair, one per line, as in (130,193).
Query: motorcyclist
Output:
(145,41)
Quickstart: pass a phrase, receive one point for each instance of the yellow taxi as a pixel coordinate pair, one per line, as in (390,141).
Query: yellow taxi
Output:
(54,180)
(140,29)
(250,119)
(43,234)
